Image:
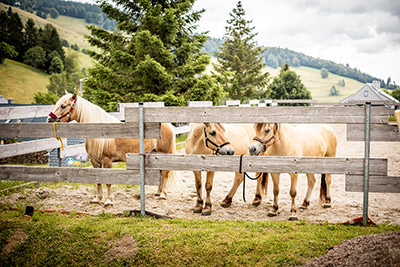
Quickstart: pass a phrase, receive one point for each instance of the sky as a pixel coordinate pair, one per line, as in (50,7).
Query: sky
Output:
(362,33)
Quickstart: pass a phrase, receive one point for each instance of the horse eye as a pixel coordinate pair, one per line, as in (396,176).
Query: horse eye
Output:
(213,133)
(267,131)
(63,106)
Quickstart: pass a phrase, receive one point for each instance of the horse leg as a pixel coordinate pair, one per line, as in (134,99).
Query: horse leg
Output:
(310,183)
(209,184)
(262,186)
(275,180)
(199,205)
(293,193)
(99,196)
(258,198)
(161,188)
(325,195)
(227,202)
(107,163)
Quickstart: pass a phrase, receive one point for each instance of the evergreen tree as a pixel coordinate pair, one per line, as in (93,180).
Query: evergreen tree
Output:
(50,42)
(31,37)
(240,61)
(16,35)
(287,85)
(153,55)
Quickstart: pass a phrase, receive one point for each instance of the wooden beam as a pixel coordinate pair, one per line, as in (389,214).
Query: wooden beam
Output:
(22,148)
(11,113)
(259,114)
(79,130)
(379,132)
(377,184)
(77,175)
(159,161)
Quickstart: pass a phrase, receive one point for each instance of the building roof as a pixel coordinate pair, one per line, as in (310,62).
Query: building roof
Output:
(370,92)
(3,100)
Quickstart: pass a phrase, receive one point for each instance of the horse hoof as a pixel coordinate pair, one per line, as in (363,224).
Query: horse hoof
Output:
(108,203)
(293,218)
(326,205)
(303,207)
(272,214)
(163,196)
(225,205)
(256,203)
(95,201)
(197,209)
(206,212)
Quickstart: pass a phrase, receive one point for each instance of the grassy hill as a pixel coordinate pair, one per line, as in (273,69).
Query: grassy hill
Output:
(319,87)
(21,82)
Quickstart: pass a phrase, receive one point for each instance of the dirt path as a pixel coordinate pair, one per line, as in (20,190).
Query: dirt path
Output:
(345,205)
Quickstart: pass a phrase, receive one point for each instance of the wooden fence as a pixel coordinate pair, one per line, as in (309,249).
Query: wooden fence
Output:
(353,168)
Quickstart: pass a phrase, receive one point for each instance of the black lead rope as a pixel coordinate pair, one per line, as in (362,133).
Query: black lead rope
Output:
(244,177)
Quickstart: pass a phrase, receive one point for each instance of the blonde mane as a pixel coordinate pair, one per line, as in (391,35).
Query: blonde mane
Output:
(89,112)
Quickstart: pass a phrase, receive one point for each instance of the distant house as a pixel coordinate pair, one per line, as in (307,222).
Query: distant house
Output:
(3,100)
(370,92)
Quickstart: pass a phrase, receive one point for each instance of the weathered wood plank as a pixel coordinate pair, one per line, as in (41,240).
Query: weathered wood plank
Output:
(22,148)
(258,164)
(79,130)
(11,113)
(377,184)
(379,132)
(77,175)
(72,150)
(259,114)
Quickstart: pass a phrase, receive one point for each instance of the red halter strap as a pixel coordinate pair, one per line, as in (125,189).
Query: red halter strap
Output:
(264,143)
(54,116)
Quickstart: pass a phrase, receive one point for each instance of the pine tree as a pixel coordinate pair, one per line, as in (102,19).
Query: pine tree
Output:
(31,36)
(153,55)
(288,85)
(240,60)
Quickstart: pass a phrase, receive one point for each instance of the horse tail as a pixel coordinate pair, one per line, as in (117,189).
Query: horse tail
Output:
(264,183)
(322,193)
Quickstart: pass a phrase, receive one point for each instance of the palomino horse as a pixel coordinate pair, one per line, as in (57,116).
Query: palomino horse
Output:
(103,151)
(277,139)
(215,138)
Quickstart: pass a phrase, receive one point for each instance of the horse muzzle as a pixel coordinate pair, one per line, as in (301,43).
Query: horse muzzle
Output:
(227,150)
(255,149)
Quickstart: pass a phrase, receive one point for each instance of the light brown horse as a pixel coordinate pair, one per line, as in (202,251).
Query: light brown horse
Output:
(216,138)
(277,139)
(104,151)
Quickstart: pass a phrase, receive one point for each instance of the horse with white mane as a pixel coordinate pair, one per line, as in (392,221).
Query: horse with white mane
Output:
(104,151)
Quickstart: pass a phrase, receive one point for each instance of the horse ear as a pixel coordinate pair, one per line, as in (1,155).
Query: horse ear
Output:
(206,124)
(73,96)
(65,91)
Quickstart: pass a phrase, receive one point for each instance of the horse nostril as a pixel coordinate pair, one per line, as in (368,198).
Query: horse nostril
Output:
(252,150)
(231,152)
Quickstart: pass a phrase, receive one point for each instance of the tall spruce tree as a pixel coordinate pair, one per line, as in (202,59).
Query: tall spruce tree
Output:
(240,60)
(288,85)
(153,55)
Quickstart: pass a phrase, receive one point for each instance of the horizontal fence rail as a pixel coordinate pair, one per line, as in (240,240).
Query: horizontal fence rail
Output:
(377,184)
(379,132)
(259,114)
(79,130)
(12,113)
(22,148)
(77,175)
(158,161)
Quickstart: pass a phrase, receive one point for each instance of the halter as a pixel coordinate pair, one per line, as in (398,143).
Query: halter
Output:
(54,116)
(262,142)
(214,144)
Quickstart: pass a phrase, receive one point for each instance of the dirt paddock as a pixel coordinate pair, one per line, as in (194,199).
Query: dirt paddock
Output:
(383,207)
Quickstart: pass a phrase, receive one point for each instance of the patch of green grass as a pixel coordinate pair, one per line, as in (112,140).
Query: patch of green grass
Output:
(55,239)
(14,85)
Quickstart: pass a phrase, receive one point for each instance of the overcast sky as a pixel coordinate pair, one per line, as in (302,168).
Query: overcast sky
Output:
(363,33)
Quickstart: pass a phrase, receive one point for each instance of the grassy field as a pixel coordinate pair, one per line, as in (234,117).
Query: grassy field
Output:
(319,87)
(53,239)
(21,82)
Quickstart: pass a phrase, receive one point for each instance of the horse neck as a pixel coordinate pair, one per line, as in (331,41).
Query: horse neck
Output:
(89,112)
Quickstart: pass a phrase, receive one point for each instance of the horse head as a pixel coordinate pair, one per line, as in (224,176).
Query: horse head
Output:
(265,137)
(64,110)
(214,134)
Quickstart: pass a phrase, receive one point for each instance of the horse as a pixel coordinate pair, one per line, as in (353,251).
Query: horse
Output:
(275,139)
(217,138)
(104,151)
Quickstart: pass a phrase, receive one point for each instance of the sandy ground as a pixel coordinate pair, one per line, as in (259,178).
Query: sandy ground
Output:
(383,207)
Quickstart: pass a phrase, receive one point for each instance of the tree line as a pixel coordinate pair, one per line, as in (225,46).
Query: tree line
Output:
(43,8)
(276,57)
